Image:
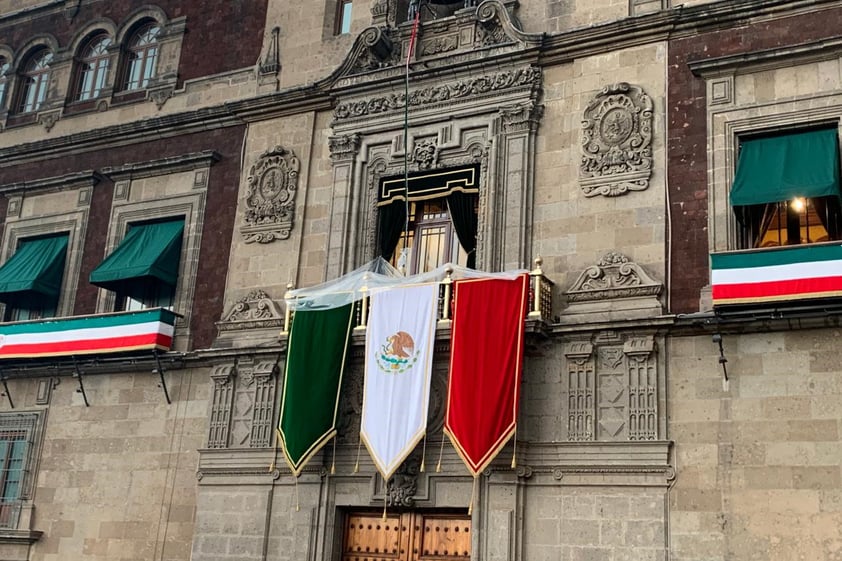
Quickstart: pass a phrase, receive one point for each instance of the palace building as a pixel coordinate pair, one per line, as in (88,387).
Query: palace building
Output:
(174,174)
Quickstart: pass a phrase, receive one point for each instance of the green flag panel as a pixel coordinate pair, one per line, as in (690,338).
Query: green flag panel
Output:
(784,167)
(148,251)
(315,361)
(33,274)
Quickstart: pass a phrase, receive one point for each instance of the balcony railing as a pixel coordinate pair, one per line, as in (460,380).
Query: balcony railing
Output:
(540,301)
(776,275)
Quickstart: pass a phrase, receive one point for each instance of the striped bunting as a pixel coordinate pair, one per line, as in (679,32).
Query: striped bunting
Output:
(107,333)
(772,275)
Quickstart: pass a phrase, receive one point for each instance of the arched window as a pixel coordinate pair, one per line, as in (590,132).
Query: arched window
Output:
(142,54)
(93,68)
(35,78)
(4,81)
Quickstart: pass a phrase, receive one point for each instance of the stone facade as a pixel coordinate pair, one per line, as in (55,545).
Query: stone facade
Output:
(603,136)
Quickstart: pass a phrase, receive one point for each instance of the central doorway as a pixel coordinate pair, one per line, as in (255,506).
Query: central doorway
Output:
(410,536)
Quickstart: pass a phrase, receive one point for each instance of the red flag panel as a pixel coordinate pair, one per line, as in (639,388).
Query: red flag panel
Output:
(486,363)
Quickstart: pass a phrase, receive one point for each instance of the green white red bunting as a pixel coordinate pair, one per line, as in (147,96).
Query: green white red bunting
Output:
(107,333)
(779,274)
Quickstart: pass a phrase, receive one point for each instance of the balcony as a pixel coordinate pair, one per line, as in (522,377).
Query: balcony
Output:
(540,299)
(798,275)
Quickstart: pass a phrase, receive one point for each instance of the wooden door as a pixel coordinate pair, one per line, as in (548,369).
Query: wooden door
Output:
(411,536)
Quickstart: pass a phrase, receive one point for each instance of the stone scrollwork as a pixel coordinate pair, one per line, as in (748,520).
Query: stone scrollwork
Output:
(617,141)
(424,154)
(255,310)
(373,49)
(270,198)
(613,277)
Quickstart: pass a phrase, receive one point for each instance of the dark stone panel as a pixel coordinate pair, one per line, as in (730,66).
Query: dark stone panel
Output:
(687,135)
(221,204)
(220,36)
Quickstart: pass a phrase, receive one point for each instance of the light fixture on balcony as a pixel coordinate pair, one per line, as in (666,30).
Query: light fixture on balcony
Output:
(798,204)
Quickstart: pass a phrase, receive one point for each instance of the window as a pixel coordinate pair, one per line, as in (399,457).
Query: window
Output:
(31,279)
(141,56)
(442,223)
(786,190)
(143,269)
(4,81)
(18,435)
(35,79)
(93,68)
(343,17)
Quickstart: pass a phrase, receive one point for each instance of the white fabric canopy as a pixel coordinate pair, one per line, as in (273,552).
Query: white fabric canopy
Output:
(374,276)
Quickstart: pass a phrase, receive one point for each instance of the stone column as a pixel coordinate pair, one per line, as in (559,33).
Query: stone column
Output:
(343,154)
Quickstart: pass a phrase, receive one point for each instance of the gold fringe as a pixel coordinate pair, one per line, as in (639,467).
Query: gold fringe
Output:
(423,454)
(441,453)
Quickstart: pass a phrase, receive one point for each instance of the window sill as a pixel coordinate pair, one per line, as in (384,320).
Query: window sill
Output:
(9,536)
(21,120)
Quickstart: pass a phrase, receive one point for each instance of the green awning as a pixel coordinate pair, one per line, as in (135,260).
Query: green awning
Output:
(780,168)
(34,272)
(149,251)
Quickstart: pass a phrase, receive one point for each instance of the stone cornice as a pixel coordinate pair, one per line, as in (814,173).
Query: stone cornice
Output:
(175,164)
(70,181)
(770,59)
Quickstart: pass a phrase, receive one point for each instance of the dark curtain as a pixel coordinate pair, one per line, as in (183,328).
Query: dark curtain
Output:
(391,220)
(828,210)
(463,214)
(755,220)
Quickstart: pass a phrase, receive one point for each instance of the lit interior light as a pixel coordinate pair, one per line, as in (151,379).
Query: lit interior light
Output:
(798,204)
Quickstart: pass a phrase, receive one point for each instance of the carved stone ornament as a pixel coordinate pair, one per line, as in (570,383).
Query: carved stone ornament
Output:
(616,142)
(254,311)
(270,198)
(424,154)
(48,119)
(614,277)
(161,95)
(344,147)
(402,487)
(529,77)
(372,50)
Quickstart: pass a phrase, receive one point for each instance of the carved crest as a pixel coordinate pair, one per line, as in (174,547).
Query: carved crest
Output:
(270,198)
(424,154)
(613,277)
(617,142)
(255,310)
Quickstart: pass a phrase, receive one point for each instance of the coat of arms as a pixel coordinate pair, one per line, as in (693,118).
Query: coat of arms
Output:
(397,354)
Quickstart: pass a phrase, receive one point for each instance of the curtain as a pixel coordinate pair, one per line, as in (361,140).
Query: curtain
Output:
(828,209)
(391,220)
(463,214)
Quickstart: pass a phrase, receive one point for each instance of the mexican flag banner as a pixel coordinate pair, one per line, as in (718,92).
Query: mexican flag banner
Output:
(486,363)
(399,357)
(318,341)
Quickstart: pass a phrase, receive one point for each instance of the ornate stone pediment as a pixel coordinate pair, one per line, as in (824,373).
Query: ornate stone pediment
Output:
(616,142)
(270,198)
(615,287)
(255,311)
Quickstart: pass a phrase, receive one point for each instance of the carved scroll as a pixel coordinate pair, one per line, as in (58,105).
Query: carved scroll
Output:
(616,142)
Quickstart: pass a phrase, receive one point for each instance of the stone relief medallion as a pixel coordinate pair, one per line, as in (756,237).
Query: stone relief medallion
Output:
(616,142)
(270,196)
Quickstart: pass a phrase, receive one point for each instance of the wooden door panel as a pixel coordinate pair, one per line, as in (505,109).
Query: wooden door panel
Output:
(370,538)
(411,536)
(443,538)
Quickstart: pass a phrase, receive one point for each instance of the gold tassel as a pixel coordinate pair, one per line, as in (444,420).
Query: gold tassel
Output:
(297,499)
(333,461)
(441,452)
(423,454)
(357,464)
(276,445)
(385,498)
(473,495)
(514,452)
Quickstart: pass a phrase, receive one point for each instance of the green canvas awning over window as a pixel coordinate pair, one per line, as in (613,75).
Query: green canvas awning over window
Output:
(34,272)
(780,168)
(149,251)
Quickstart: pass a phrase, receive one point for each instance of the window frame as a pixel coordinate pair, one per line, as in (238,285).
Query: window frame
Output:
(29,424)
(5,80)
(37,78)
(342,25)
(101,66)
(141,53)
